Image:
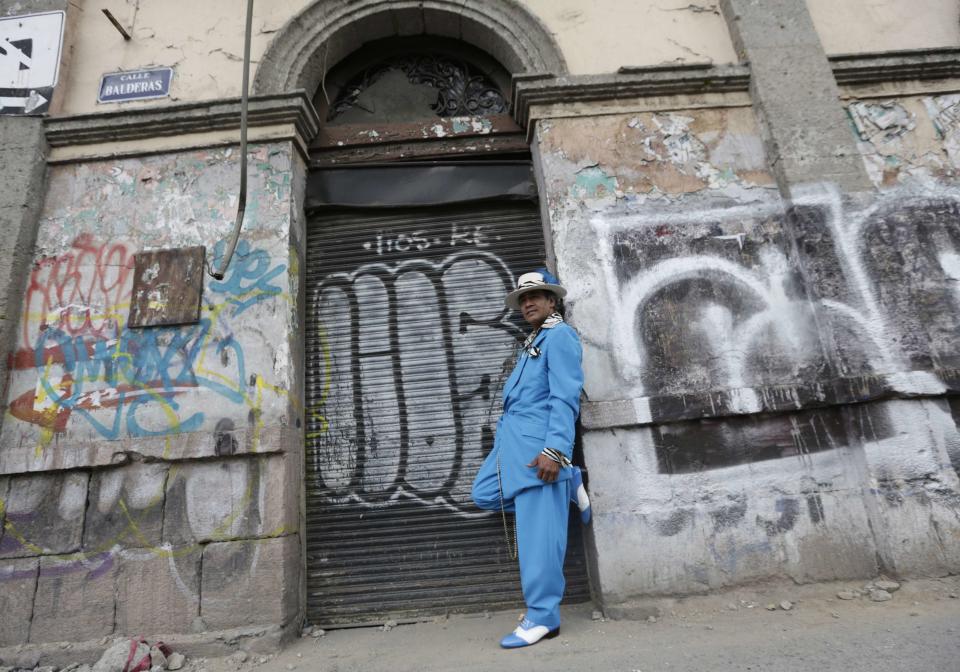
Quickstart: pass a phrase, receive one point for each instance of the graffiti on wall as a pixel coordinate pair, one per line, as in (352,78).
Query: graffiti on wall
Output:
(754,301)
(94,522)
(408,354)
(740,283)
(416,376)
(80,376)
(92,373)
(90,368)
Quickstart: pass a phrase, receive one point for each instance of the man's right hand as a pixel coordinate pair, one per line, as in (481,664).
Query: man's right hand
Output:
(547,469)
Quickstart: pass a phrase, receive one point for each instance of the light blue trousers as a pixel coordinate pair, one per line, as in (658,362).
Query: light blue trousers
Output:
(541,539)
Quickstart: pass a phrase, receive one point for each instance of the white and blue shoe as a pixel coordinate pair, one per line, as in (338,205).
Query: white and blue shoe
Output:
(578,495)
(528,633)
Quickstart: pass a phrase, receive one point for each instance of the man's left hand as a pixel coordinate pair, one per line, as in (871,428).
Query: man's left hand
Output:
(547,469)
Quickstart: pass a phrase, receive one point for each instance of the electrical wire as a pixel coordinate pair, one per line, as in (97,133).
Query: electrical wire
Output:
(242,201)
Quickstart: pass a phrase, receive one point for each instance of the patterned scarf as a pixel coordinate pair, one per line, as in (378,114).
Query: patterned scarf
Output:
(552,320)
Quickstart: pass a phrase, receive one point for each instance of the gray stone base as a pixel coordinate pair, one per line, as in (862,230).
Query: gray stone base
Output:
(230,557)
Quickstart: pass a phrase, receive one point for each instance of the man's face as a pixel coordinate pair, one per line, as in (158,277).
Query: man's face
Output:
(536,306)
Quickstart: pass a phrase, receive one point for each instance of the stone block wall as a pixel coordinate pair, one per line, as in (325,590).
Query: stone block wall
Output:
(150,478)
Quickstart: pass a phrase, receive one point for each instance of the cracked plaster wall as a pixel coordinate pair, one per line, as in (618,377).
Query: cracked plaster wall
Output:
(650,32)
(203,42)
(858,26)
(206,50)
(730,342)
(161,461)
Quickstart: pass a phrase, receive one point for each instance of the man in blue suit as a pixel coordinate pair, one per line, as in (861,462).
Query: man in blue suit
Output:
(528,472)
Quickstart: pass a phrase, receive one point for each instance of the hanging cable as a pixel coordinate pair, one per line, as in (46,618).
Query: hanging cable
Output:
(242,204)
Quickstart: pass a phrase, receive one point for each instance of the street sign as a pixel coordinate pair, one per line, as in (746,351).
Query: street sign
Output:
(30,47)
(117,87)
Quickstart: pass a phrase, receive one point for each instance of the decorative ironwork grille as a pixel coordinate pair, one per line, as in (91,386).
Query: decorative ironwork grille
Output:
(462,90)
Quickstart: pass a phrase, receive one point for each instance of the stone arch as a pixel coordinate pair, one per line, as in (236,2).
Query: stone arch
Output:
(328,30)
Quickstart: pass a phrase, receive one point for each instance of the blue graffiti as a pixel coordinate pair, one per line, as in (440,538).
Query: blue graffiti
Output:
(247,281)
(141,369)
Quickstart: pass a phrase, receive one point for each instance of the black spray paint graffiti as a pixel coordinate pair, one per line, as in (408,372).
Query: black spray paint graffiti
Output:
(747,300)
(711,444)
(410,359)
(703,445)
(731,513)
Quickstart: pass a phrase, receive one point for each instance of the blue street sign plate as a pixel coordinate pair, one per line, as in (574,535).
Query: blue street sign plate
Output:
(117,87)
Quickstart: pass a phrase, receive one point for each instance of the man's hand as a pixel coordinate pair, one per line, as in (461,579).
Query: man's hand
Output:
(547,469)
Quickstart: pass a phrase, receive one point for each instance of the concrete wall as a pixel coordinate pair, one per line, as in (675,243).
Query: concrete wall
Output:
(603,37)
(767,299)
(151,477)
(753,363)
(206,52)
(20,196)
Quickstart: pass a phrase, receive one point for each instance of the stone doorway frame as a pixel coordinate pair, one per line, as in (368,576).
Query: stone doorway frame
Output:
(327,31)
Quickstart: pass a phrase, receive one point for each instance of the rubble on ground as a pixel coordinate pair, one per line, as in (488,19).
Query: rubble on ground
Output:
(312,631)
(878,590)
(118,657)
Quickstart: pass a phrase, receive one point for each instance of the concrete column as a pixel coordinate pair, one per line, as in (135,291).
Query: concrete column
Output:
(22,171)
(807,136)
(23,152)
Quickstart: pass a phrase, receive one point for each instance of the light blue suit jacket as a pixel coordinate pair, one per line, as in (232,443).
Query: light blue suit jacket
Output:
(541,402)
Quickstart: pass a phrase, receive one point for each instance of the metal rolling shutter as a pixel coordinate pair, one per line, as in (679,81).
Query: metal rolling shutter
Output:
(408,346)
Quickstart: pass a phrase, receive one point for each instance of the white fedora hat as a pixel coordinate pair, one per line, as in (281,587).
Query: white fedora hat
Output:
(540,279)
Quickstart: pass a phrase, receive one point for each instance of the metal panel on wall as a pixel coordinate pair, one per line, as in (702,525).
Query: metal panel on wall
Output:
(408,346)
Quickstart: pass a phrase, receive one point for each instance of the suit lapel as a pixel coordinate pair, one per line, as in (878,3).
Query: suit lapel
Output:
(518,369)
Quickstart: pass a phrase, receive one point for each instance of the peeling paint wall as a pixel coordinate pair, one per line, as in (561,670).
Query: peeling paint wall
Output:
(650,157)
(858,26)
(161,461)
(741,354)
(913,140)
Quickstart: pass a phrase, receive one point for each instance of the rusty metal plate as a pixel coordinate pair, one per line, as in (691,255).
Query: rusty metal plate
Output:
(167,287)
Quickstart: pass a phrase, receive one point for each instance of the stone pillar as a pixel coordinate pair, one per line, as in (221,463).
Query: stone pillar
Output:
(23,152)
(805,129)
(22,171)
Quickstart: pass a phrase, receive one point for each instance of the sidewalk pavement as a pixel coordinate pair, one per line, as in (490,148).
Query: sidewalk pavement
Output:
(781,628)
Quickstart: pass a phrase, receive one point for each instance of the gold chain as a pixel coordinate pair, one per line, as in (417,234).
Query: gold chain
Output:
(503,514)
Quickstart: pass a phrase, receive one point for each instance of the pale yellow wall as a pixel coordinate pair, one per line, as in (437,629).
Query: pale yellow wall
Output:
(856,26)
(600,36)
(203,41)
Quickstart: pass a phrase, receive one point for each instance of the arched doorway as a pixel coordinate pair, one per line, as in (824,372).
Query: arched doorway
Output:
(421,209)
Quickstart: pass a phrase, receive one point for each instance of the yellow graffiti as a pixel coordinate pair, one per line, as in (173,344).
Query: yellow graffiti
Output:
(315,414)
